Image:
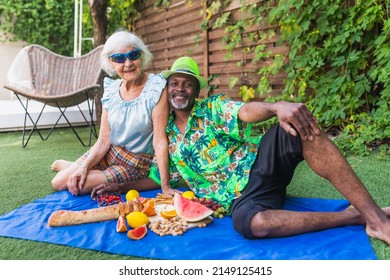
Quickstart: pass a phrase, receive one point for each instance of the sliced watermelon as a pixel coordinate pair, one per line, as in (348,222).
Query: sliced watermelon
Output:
(190,210)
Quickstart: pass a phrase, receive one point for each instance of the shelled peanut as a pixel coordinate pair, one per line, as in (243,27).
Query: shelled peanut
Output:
(175,226)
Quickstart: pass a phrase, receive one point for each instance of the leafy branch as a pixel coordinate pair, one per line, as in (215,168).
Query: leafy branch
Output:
(338,62)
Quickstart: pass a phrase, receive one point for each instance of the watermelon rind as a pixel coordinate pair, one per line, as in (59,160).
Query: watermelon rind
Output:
(189,210)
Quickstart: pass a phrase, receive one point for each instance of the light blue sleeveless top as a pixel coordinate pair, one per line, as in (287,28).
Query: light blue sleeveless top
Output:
(131,121)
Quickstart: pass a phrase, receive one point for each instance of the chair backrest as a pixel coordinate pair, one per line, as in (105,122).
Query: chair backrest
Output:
(54,75)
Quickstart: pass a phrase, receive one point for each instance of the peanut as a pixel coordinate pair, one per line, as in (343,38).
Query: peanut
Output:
(173,227)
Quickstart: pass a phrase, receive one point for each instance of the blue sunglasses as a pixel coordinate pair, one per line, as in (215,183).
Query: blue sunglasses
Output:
(121,57)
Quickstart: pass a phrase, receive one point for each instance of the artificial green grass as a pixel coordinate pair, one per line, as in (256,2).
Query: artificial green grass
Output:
(25,176)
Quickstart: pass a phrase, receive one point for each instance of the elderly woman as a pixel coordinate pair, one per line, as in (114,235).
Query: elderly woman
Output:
(134,118)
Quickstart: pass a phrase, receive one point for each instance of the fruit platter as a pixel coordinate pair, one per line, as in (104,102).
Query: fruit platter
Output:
(163,215)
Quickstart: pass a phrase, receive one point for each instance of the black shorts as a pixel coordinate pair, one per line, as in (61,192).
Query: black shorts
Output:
(278,156)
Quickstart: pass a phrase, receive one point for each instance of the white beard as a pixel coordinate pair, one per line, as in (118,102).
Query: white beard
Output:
(179,106)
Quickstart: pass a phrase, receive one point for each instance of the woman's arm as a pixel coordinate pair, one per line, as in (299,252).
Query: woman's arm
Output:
(96,153)
(141,185)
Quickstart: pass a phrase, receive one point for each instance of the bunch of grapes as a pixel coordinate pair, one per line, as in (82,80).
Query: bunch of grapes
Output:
(219,210)
(220,213)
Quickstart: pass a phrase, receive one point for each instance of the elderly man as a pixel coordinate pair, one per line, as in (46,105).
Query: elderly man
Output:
(211,148)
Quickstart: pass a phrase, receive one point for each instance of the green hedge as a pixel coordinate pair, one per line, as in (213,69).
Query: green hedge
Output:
(50,23)
(338,63)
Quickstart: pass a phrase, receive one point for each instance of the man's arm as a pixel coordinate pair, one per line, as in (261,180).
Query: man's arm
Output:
(145,184)
(294,118)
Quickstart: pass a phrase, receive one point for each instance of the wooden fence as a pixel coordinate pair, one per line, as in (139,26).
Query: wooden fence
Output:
(175,31)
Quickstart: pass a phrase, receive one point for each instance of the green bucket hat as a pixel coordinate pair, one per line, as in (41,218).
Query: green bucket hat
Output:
(186,65)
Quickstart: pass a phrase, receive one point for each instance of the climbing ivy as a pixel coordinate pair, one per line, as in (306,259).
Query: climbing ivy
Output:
(338,62)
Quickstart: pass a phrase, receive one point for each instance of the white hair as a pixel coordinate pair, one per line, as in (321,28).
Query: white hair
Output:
(120,40)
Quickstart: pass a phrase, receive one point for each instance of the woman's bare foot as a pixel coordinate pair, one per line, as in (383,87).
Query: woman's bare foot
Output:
(60,164)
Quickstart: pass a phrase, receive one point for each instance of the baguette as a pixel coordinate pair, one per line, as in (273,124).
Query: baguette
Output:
(112,212)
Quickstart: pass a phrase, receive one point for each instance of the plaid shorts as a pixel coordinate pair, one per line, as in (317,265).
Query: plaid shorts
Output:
(120,165)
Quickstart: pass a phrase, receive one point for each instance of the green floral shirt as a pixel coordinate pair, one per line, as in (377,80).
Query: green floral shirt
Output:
(215,155)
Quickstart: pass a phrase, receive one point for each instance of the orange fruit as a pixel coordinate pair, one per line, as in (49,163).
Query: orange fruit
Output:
(138,232)
(168,214)
(149,208)
(121,224)
(136,219)
(143,200)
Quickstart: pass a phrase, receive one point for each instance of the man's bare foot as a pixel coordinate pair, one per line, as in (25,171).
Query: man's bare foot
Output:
(387,211)
(60,164)
(379,230)
(353,209)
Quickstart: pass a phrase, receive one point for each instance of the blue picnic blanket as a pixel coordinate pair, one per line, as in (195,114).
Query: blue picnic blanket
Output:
(217,241)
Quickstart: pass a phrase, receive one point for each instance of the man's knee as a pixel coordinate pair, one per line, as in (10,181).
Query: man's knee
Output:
(243,221)
(251,226)
(259,225)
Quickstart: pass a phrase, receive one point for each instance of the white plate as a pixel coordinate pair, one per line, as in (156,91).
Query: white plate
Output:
(159,208)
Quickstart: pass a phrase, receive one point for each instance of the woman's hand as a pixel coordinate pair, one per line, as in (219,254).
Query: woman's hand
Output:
(104,188)
(77,180)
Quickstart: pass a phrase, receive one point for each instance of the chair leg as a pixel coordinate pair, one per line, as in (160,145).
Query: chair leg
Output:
(55,124)
(34,123)
(90,123)
(92,128)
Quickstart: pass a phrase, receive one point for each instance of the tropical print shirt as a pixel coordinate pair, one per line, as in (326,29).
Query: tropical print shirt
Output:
(216,153)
